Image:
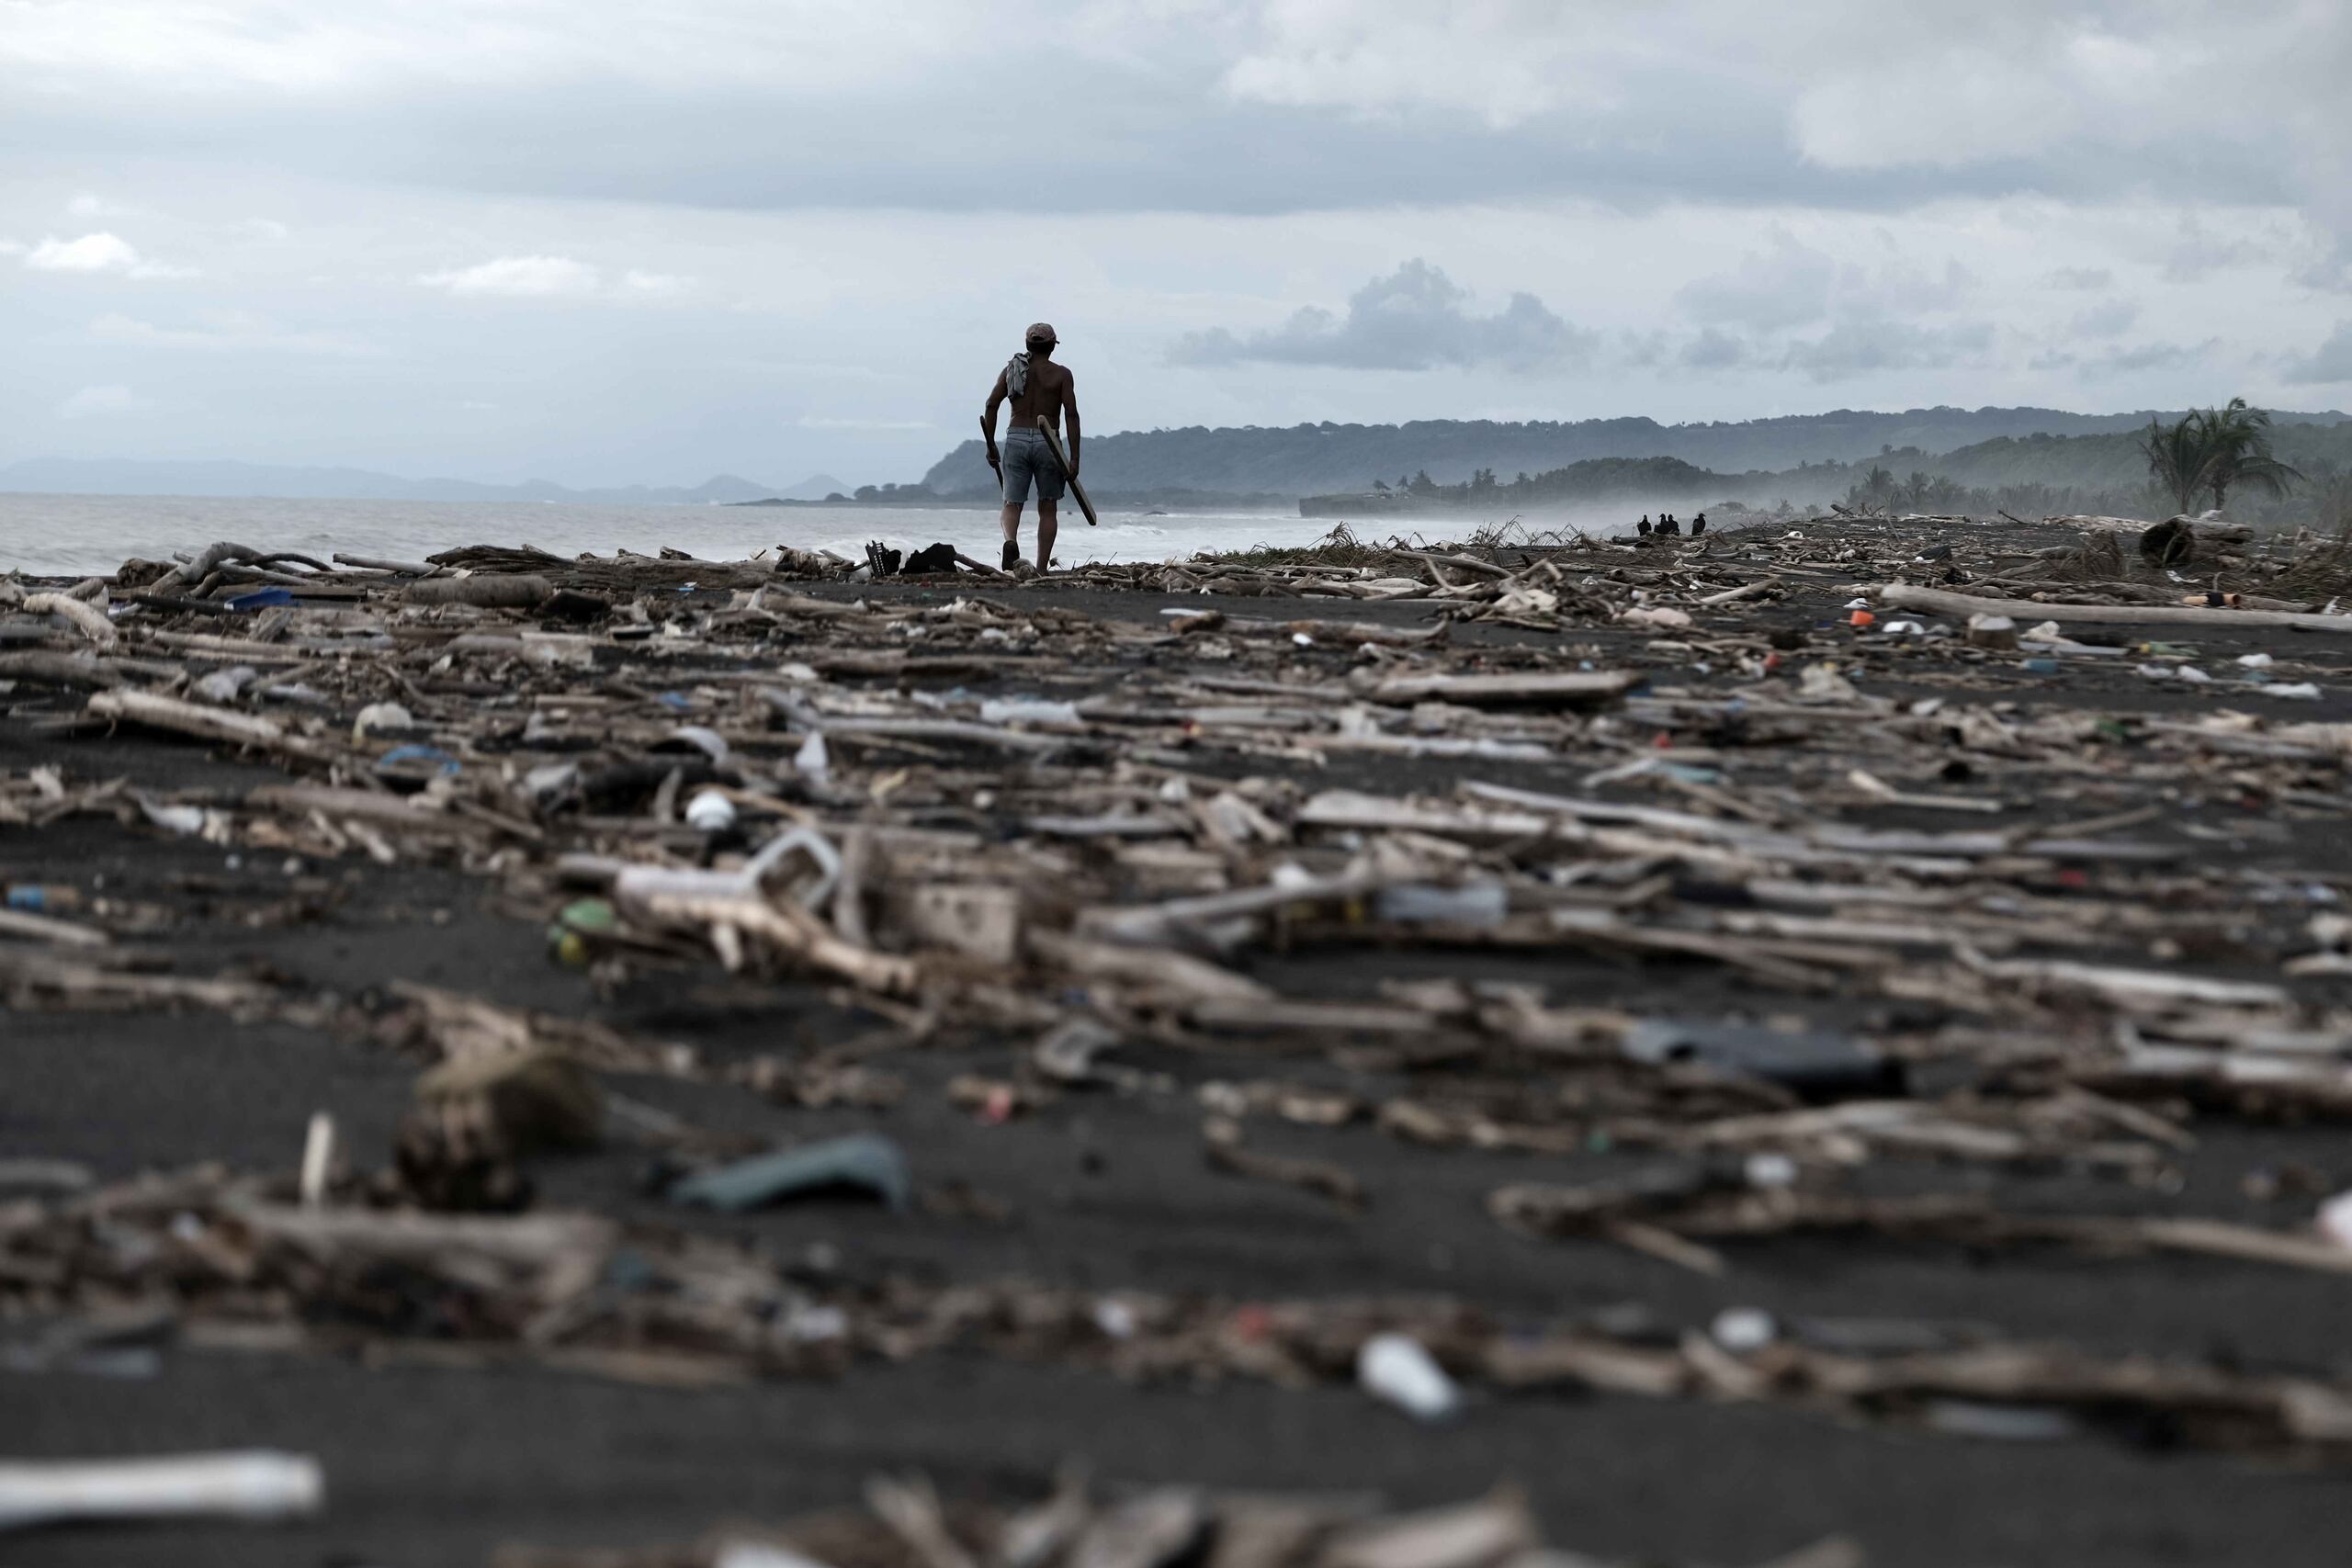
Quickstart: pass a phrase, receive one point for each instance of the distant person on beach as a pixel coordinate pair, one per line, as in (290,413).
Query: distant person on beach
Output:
(1038,388)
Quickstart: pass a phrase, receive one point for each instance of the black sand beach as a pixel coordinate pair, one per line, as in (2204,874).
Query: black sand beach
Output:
(440,1448)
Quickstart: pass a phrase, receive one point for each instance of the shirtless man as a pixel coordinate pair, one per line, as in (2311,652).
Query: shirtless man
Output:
(1036,386)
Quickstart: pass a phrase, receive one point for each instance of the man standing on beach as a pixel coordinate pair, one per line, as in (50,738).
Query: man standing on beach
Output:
(1038,388)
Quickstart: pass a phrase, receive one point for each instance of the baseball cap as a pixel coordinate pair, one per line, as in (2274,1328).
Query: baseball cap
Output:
(1041,331)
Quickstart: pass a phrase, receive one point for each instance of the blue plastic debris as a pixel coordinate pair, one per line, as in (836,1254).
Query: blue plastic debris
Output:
(862,1162)
(399,756)
(260,599)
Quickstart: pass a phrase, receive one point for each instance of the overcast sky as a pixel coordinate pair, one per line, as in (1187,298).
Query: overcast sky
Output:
(604,242)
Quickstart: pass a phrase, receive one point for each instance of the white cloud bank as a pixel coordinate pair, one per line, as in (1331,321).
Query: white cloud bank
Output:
(99,253)
(519,278)
(1416,318)
(553,277)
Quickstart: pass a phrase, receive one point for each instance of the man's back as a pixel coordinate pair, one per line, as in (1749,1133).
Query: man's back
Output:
(1047,390)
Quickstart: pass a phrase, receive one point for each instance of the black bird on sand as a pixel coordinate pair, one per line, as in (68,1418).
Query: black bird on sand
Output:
(1698,524)
(1644,526)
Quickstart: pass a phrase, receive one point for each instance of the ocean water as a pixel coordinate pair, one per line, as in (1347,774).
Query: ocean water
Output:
(52,534)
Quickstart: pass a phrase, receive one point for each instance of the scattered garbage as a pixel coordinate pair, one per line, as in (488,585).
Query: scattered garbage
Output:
(862,1163)
(2335,1219)
(1594,851)
(257,1487)
(1394,1368)
(1999,632)
(1809,1063)
(710,812)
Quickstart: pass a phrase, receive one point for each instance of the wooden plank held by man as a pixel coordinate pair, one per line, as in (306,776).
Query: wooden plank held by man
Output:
(1054,443)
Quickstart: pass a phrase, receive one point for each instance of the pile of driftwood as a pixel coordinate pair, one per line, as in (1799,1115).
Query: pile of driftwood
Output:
(206,1259)
(906,1524)
(1893,798)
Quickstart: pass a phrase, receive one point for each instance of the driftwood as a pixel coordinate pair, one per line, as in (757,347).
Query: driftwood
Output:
(1464,563)
(207,560)
(982,567)
(1901,596)
(403,568)
(90,622)
(1355,633)
(46,928)
(78,670)
(500,592)
(193,719)
(369,806)
(1566,689)
(790,929)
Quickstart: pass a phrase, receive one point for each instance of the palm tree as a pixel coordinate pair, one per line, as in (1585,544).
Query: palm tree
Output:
(2214,449)
(2179,457)
(2238,438)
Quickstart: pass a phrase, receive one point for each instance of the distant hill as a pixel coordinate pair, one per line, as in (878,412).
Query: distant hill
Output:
(1308,459)
(69,476)
(2035,476)
(816,486)
(2115,460)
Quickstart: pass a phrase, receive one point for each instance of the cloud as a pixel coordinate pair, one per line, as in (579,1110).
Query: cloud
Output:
(1231,105)
(225,330)
(2110,320)
(93,402)
(554,278)
(1903,287)
(1713,350)
(99,253)
(2328,365)
(1640,350)
(1793,285)
(2200,252)
(1786,287)
(519,278)
(2082,277)
(2148,356)
(1482,61)
(1413,320)
(89,206)
(1857,348)
(655,285)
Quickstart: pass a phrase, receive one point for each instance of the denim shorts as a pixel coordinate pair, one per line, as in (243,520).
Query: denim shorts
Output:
(1027,458)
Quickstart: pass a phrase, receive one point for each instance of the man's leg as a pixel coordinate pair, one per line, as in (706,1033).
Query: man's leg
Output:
(1011,520)
(1046,520)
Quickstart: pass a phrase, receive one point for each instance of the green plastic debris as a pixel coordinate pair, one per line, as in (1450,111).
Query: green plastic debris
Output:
(861,1162)
(571,938)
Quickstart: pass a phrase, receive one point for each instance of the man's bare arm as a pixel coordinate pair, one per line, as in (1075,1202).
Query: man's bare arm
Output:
(1069,420)
(987,419)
